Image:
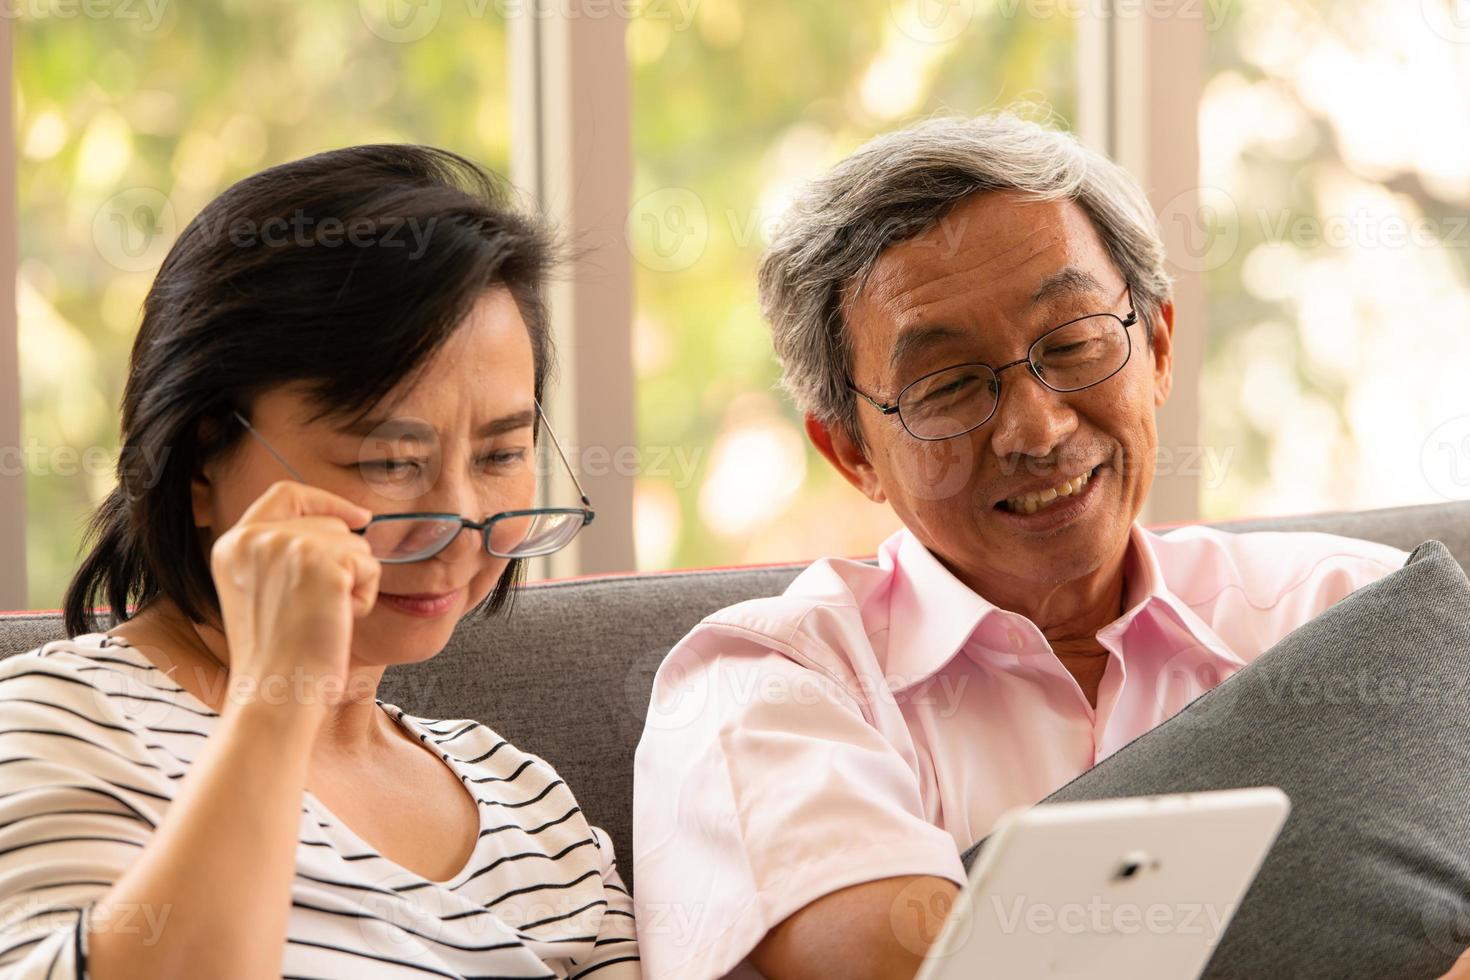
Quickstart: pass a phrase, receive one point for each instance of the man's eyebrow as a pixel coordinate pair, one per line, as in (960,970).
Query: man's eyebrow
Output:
(1069,280)
(1066,281)
(915,339)
(392,428)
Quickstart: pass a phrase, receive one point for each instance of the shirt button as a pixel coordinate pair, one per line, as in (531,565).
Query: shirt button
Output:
(1017,641)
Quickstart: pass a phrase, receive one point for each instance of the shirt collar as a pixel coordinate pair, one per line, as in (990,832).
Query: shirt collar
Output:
(932,614)
(1148,590)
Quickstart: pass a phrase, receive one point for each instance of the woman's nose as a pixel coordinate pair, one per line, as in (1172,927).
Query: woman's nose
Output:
(452,493)
(465,544)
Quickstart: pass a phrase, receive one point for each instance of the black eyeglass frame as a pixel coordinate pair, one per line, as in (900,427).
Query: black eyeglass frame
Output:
(894,409)
(484,527)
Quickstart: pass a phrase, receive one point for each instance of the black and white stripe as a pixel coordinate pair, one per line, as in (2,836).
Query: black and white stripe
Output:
(94,740)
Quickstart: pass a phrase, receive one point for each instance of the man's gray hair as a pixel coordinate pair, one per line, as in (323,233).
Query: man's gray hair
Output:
(899,186)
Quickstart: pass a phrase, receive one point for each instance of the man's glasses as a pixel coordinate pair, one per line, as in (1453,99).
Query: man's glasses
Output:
(955,400)
(401,538)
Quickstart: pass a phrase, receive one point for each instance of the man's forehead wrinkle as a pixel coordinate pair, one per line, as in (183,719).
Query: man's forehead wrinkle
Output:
(900,263)
(916,282)
(879,299)
(909,303)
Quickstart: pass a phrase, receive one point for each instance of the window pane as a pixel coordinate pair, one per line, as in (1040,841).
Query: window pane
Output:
(127,125)
(731,111)
(1335,241)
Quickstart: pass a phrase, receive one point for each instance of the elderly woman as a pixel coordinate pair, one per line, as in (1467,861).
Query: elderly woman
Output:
(329,439)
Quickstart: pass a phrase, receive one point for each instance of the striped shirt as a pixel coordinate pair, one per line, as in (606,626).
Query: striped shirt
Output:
(94,740)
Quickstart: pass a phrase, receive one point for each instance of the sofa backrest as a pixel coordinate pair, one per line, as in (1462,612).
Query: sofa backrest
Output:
(567,676)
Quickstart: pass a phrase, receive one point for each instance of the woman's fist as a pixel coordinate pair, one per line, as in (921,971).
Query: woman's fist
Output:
(291,578)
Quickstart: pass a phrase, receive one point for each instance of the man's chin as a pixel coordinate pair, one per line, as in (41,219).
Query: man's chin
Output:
(1053,555)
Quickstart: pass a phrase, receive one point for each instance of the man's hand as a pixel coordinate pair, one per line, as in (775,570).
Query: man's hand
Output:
(879,930)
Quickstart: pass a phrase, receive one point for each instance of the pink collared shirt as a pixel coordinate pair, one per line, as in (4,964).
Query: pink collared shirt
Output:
(875,721)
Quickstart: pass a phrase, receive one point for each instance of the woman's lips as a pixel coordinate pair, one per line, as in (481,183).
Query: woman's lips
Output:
(424,604)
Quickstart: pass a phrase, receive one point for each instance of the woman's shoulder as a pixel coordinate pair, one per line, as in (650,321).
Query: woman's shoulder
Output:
(515,777)
(82,658)
(93,675)
(527,809)
(99,656)
(464,740)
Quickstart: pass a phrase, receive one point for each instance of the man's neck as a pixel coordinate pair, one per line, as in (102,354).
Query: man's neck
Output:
(1069,615)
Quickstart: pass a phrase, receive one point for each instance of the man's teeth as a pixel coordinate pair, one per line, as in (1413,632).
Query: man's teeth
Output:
(1030,503)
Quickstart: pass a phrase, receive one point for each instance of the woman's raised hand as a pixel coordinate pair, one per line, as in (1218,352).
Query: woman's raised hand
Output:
(291,579)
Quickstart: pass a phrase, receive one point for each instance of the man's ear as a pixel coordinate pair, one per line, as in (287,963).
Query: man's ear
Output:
(1162,349)
(849,459)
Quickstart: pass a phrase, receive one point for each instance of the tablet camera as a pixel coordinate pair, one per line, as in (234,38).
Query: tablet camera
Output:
(1133,865)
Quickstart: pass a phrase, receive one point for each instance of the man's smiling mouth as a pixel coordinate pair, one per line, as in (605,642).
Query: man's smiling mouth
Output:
(1038,500)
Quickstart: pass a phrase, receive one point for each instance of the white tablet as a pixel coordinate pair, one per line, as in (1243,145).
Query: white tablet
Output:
(1111,890)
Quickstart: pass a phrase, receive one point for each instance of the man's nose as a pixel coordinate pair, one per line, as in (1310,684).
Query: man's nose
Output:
(1031,419)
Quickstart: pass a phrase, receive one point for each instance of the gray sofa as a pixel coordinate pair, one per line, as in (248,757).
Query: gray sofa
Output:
(568,674)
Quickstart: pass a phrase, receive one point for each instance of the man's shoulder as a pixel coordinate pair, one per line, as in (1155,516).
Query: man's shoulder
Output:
(1200,562)
(826,612)
(827,583)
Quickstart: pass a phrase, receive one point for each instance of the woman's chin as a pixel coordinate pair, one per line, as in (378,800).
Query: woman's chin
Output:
(396,638)
(385,652)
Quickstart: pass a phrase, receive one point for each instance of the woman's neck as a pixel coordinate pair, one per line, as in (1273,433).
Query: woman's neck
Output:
(197,657)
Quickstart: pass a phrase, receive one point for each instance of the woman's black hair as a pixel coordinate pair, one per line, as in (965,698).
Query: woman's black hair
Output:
(343,272)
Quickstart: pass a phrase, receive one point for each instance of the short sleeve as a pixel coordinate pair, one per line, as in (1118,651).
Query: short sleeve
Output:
(760,786)
(615,954)
(71,814)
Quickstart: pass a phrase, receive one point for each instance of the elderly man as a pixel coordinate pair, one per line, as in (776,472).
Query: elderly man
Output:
(975,319)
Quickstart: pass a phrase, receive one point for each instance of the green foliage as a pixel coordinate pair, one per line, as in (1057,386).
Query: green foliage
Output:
(734,106)
(171,115)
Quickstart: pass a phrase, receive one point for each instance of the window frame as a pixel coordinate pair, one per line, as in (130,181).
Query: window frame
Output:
(12,484)
(1141,76)
(571,104)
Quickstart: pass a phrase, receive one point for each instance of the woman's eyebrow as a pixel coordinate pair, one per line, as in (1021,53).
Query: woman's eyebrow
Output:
(411,428)
(387,428)
(508,423)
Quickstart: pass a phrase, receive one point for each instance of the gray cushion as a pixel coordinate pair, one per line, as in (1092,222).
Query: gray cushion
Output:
(568,675)
(1363,717)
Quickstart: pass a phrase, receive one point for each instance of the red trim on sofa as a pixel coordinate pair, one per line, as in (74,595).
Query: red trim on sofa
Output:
(602,576)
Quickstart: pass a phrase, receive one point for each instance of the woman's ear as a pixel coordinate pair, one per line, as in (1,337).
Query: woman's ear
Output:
(202,483)
(201,496)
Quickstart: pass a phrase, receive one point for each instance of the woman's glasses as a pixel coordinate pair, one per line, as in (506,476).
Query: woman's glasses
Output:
(401,538)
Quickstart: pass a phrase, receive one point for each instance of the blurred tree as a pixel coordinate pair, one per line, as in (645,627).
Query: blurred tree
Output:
(732,110)
(1336,154)
(128,124)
